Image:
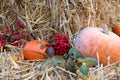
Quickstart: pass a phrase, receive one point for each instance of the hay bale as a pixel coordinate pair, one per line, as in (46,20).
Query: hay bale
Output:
(44,18)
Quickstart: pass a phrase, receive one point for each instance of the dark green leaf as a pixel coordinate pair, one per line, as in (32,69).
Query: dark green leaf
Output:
(75,53)
(54,61)
(70,68)
(69,65)
(84,69)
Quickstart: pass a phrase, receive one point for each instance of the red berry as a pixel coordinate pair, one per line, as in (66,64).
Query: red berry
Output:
(8,30)
(19,24)
(2,44)
(20,36)
(15,43)
(27,35)
(15,32)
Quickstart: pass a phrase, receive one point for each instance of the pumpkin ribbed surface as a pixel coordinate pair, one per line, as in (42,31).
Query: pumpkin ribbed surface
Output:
(33,50)
(92,40)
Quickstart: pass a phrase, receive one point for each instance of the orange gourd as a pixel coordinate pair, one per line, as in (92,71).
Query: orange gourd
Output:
(35,49)
(116,30)
(93,40)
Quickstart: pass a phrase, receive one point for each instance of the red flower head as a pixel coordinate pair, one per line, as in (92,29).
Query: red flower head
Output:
(61,45)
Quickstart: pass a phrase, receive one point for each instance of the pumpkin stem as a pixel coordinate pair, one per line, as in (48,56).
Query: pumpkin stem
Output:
(43,46)
(105,29)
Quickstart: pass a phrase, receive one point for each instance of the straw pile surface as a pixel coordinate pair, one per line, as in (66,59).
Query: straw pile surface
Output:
(44,18)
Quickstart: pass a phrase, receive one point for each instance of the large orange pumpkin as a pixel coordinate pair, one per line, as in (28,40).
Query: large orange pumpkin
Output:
(35,49)
(116,30)
(93,40)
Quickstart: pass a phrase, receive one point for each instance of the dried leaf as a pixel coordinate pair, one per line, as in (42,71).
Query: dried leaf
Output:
(21,57)
(15,57)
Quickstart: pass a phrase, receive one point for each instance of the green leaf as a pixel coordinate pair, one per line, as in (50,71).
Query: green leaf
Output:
(88,60)
(75,53)
(59,58)
(69,65)
(92,61)
(54,62)
(84,69)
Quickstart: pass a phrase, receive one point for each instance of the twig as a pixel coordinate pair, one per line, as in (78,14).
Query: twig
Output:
(81,75)
(42,78)
(58,74)
(16,66)
(30,76)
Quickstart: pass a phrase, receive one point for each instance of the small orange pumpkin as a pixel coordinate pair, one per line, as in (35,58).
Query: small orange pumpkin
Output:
(35,49)
(93,40)
(116,30)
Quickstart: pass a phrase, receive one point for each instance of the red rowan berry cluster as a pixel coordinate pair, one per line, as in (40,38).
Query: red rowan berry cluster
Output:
(14,37)
(61,45)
